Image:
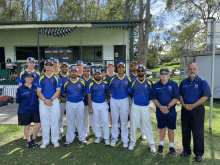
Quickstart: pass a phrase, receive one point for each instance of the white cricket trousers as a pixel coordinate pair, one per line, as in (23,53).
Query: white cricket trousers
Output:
(88,119)
(72,110)
(100,110)
(49,116)
(62,109)
(141,113)
(120,107)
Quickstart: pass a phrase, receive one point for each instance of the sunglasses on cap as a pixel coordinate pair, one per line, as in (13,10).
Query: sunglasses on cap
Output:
(48,64)
(164,73)
(140,70)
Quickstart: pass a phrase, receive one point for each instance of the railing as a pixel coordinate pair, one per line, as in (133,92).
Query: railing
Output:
(9,90)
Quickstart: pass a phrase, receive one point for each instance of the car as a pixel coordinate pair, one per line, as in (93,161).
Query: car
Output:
(177,72)
(149,72)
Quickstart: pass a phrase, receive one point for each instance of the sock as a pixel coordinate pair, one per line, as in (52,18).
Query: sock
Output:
(161,143)
(171,144)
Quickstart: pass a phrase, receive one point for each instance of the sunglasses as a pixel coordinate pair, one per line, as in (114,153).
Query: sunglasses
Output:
(140,71)
(164,73)
(48,64)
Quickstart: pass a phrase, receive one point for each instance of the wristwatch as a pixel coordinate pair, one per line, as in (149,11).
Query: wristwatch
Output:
(168,107)
(51,100)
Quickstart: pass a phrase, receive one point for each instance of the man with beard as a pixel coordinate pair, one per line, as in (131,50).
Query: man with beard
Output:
(165,97)
(64,76)
(194,91)
(79,65)
(111,69)
(48,90)
(74,90)
(86,77)
(133,75)
(119,103)
(98,107)
(141,89)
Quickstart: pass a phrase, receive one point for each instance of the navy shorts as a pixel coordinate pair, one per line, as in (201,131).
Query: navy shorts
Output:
(166,120)
(27,118)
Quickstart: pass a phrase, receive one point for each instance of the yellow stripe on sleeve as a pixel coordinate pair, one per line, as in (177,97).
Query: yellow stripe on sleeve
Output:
(90,85)
(111,80)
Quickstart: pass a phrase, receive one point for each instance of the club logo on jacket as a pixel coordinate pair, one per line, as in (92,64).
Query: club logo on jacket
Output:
(196,86)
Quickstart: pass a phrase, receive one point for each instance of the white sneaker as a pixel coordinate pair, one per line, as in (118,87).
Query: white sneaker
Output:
(107,142)
(43,146)
(131,146)
(125,145)
(144,137)
(84,142)
(97,140)
(113,142)
(60,136)
(56,145)
(152,148)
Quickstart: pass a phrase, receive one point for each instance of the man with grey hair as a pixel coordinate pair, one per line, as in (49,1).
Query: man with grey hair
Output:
(194,91)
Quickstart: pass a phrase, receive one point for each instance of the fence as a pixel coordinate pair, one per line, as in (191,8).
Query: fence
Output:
(9,90)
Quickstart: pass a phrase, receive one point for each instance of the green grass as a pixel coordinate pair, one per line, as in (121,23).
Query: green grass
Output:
(13,148)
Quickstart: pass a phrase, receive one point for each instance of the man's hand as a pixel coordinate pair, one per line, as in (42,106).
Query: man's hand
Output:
(48,102)
(189,107)
(164,109)
(91,110)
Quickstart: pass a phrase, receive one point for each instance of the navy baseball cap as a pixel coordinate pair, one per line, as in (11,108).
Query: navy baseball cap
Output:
(141,66)
(110,63)
(87,67)
(133,62)
(64,63)
(97,70)
(74,67)
(79,62)
(29,74)
(55,60)
(30,59)
(164,69)
(121,63)
(48,61)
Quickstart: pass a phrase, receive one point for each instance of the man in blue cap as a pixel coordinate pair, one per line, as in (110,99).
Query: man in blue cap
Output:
(48,90)
(98,107)
(118,84)
(165,97)
(56,66)
(74,90)
(194,91)
(87,117)
(79,65)
(64,76)
(141,90)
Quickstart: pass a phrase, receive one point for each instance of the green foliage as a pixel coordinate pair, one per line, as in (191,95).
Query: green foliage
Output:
(153,59)
(172,63)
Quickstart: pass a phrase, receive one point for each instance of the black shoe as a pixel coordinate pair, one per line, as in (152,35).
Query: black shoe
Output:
(35,143)
(198,158)
(67,144)
(172,151)
(185,153)
(160,149)
(30,145)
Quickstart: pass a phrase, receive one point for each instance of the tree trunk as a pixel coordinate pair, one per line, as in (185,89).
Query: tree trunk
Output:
(42,10)
(58,6)
(33,11)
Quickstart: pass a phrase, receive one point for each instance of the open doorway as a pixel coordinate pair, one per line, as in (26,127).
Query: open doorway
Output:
(2,58)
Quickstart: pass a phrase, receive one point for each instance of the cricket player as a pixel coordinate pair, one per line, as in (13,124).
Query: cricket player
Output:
(165,97)
(48,90)
(98,107)
(74,90)
(111,69)
(56,65)
(119,103)
(64,76)
(87,116)
(80,66)
(141,89)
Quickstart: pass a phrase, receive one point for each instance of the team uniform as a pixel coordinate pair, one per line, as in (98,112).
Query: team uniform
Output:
(74,107)
(98,92)
(62,105)
(87,116)
(49,115)
(140,111)
(28,109)
(164,94)
(193,121)
(119,106)
(24,73)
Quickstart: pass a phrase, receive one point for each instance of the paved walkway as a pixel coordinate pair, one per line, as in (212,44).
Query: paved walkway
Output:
(8,114)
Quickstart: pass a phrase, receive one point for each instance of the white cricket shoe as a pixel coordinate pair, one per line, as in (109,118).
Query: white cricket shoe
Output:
(125,145)
(107,142)
(144,137)
(56,145)
(43,146)
(97,140)
(152,148)
(113,142)
(131,146)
